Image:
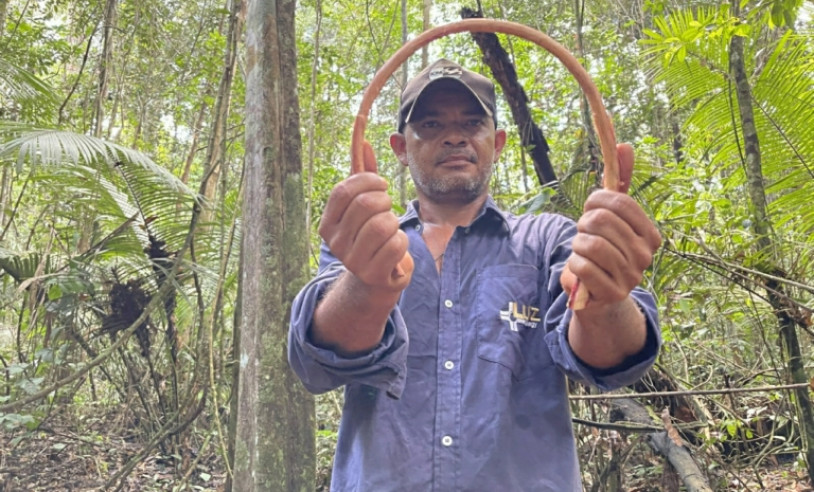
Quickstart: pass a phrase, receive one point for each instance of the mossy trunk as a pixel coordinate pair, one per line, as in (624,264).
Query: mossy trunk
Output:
(775,291)
(275,446)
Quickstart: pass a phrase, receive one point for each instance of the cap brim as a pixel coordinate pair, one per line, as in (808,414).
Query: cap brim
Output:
(460,82)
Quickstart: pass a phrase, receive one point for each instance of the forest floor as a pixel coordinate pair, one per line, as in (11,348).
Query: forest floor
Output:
(57,458)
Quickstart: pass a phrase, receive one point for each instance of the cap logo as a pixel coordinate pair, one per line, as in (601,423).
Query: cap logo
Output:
(437,73)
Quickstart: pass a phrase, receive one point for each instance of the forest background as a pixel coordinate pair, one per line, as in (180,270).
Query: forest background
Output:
(129,198)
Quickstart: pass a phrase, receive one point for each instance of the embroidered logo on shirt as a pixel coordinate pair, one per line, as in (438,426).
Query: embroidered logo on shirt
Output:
(520,315)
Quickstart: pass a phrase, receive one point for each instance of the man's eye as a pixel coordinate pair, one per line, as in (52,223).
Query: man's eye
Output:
(475,123)
(429,124)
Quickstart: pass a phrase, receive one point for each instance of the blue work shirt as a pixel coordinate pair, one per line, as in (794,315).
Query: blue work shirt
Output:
(467,389)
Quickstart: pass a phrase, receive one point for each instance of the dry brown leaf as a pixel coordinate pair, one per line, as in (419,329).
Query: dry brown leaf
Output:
(672,433)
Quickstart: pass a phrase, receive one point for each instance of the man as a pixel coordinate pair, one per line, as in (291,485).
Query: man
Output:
(449,326)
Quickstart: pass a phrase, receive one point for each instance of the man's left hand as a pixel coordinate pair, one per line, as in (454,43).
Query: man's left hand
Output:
(615,241)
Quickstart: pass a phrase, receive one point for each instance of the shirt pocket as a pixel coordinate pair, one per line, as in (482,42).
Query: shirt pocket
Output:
(509,318)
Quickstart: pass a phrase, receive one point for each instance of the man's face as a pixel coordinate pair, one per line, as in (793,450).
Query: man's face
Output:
(449,145)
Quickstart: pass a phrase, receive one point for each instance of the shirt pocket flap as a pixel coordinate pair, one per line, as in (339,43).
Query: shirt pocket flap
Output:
(508,315)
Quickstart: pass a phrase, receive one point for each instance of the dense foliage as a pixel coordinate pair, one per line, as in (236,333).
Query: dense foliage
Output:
(121,166)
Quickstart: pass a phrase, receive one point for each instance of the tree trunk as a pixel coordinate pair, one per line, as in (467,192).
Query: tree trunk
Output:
(193,144)
(401,178)
(87,217)
(5,194)
(312,125)
(3,10)
(531,136)
(217,139)
(588,142)
(109,22)
(234,408)
(776,291)
(425,50)
(275,444)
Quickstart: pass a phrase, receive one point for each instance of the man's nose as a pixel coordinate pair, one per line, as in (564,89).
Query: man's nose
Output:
(455,135)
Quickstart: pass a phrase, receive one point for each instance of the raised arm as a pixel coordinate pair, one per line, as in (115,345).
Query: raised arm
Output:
(614,245)
(360,229)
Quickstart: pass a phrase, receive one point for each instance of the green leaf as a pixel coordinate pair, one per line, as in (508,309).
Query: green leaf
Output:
(731,428)
(54,292)
(743,30)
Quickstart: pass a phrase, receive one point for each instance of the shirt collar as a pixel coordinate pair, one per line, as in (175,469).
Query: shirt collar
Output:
(489,210)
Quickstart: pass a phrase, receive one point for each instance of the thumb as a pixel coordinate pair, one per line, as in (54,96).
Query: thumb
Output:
(567,280)
(369,158)
(624,155)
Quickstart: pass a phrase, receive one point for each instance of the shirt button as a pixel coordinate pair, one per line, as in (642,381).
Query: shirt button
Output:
(466,230)
(446,441)
(448,303)
(449,365)
(418,227)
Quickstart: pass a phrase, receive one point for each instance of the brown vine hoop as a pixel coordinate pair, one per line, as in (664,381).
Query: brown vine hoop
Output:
(602,122)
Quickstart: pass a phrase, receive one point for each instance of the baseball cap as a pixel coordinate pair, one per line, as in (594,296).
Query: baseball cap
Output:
(481,87)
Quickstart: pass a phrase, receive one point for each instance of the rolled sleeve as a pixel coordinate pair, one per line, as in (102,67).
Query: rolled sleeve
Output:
(321,370)
(628,372)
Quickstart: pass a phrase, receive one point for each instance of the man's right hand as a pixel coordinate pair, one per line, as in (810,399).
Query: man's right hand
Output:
(362,231)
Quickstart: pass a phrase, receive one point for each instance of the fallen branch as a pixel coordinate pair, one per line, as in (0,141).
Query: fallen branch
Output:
(633,427)
(756,389)
(671,448)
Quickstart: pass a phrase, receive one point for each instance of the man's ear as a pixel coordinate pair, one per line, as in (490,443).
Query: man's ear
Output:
(500,142)
(399,145)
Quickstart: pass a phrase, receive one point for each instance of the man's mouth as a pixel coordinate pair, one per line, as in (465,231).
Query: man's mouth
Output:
(457,159)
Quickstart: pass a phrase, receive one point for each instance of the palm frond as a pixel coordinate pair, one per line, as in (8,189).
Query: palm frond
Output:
(688,55)
(22,267)
(20,85)
(37,146)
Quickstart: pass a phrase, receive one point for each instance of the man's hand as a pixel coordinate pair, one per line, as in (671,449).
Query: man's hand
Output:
(615,241)
(362,231)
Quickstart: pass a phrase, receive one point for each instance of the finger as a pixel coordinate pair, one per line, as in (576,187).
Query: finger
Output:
(371,236)
(622,271)
(373,206)
(600,285)
(343,235)
(394,249)
(617,234)
(625,208)
(369,158)
(624,155)
(567,280)
(345,192)
(376,265)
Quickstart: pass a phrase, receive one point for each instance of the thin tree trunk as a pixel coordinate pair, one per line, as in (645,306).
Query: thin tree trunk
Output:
(5,193)
(109,22)
(3,10)
(118,94)
(233,402)
(86,217)
(531,136)
(275,443)
(217,140)
(405,77)
(312,126)
(589,142)
(193,146)
(775,290)
(425,53)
